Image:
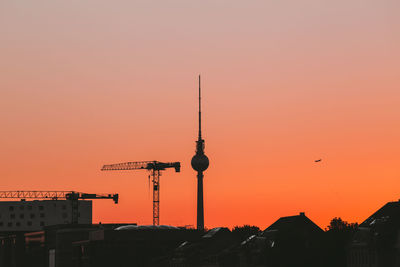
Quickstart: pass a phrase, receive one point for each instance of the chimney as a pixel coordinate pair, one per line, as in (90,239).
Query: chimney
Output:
(302,214)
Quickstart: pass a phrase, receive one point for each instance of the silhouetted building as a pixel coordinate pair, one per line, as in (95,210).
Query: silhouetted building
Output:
(34,215)
(215,248)
(12,250)
(377,241)
(289,242)
(51,247)
(130,246)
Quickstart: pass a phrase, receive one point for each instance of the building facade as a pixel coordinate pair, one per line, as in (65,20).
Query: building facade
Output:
(34,215)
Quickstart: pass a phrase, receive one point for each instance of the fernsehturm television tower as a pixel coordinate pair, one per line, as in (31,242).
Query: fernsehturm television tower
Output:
(200,164)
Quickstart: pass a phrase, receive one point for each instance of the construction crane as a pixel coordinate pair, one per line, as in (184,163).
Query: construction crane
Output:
(72,196)
(154,167)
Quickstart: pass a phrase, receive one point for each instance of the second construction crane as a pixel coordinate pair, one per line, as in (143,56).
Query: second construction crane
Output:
(154,167)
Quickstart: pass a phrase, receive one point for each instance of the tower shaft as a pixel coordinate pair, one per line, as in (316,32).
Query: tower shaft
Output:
(200,207)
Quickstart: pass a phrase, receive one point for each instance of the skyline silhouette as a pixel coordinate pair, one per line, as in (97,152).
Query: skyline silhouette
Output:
(286,84)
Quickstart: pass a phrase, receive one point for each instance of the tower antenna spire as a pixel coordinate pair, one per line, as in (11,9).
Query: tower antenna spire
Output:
(199,108)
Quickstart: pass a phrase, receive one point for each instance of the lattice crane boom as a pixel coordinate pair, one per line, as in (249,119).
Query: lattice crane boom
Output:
(147,165)
(154,167)
(55,195)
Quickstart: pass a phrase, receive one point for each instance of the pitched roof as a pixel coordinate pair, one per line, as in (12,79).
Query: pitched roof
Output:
(294,223)
(389,213)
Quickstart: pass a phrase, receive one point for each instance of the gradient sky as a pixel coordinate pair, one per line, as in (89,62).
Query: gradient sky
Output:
(87,83)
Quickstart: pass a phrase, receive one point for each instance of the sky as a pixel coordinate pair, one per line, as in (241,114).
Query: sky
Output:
(93,82)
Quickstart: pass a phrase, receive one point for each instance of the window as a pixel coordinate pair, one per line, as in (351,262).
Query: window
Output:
(1,223)
(21,207)
(11,208)
(41,223)
(12,216)
(32,216)
(21,216)
(79,214)
(41,207)
(18,224)
(64,207)
(41,215)
(64,215)
(9,224)
(29,223)
(29,207)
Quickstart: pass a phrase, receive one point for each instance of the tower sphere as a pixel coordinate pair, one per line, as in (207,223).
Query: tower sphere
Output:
(200,162)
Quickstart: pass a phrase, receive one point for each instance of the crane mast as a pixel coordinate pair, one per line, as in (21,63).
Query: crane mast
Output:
(155,168)
(72,196)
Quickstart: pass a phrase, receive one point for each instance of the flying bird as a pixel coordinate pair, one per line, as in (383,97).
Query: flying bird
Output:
(318,160)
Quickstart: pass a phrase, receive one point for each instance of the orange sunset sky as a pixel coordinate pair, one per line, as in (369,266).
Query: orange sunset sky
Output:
(87,83)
